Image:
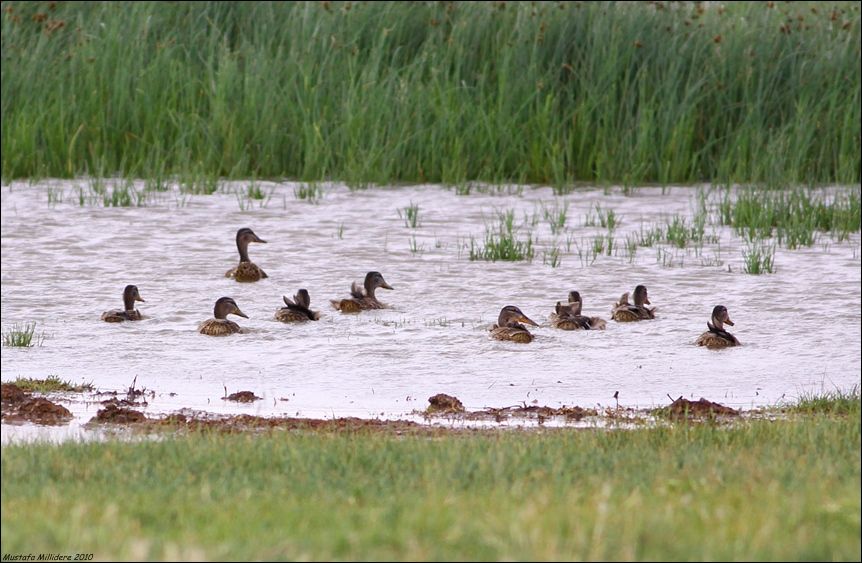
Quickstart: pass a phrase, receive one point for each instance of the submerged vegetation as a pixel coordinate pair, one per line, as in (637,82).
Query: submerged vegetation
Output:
(679,491)
(445,92)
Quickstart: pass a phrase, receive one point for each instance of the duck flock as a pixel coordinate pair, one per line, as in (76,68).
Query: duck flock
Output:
(510,323)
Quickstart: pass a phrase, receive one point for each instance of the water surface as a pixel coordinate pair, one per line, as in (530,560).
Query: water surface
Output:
(64,263)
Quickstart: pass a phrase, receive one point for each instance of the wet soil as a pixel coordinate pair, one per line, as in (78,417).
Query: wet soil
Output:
(20,406)
(115,414)
(683,408)
(242,397)
(442,403)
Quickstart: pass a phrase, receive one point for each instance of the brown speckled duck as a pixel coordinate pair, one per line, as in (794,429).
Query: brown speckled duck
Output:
(509,325)
(568,316)
(360,300)
(129,313)
(246,271)
(220,326)
(298,310)
(624,312)
(716,336)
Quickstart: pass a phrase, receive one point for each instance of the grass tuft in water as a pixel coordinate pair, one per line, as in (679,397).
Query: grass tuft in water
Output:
(410,214)
(310,192)
(793,216)
(52,383)
(759,258)
(23,335)
(502,242)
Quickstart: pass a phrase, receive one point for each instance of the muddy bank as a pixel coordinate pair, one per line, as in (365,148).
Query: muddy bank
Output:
(20,406)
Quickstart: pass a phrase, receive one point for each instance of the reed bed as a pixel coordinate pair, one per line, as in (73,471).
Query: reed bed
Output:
(524,92)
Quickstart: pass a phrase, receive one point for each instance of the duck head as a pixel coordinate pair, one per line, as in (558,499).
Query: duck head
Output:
(511,315)
(373,280)
(226,306)
(641,297)
(720,317)
(130,295)
(245,236)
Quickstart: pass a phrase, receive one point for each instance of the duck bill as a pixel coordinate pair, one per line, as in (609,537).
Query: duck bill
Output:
(139,298)
(258,239)
(728,321)
(239,313)
(646,300)
(526,320)
(385,285)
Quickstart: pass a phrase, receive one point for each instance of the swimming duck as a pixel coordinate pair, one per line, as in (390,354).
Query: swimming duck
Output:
(246,271)
(509,325)
(569,317)
(624,312)
(363,300)
(220,326)
(297,310)
(129,313)
(716,336)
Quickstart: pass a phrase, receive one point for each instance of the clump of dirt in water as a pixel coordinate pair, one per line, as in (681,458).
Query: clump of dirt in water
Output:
(242,397)
(442,403)
(18,405)
(12,394)
(43,411)
(117,415)
(683,408)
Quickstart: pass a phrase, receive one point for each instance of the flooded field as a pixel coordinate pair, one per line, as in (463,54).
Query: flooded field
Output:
(67,257)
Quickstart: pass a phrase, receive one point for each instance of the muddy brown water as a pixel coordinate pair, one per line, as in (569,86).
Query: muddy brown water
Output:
(64,264)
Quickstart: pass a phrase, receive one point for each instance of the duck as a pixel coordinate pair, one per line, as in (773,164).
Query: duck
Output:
(246,270)
(716,337)
(220,326)
(624,312)
(568,316)
(360,299)
(509,325)
(297,310)
(128,313)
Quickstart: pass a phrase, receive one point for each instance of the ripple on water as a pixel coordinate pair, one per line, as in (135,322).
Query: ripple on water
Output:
(64,264)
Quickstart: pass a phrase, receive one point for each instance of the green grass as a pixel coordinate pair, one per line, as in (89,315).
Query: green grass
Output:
(23,335)
(757,490)
(837,401)
(793,216)
(679,233)
(373,93)
(503,242)
(309,192)
(759,258)
(51,384)
(556,217)
(410,214)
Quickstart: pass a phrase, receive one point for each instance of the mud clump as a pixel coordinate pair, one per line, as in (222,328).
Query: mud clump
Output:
(242,397)
(682,408)
(19,406)
(12,394)
(124,402)
(442,403)
(117,415)
(43,411)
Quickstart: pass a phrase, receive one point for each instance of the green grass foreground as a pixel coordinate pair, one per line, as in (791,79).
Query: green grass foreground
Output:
(763,490)
(538,92)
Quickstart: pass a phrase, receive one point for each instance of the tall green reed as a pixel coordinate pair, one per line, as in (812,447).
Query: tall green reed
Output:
(439,92)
